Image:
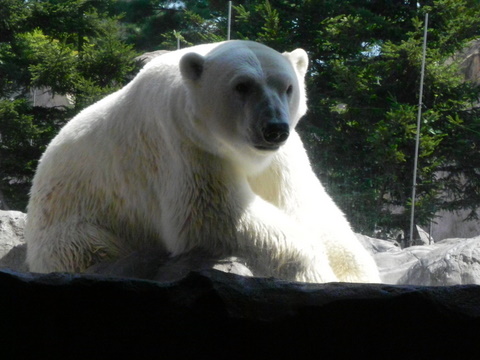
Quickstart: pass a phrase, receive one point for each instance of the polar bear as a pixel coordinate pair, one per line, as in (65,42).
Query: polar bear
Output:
(198,151)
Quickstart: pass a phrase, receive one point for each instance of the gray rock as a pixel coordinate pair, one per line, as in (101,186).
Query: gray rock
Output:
(392,261)
(375,246)
(12,224)
(12,245)
(449,262)
(424,237)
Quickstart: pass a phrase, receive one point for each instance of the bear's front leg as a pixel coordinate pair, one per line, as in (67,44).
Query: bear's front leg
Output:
(280,246)
(290,184)
(212,207)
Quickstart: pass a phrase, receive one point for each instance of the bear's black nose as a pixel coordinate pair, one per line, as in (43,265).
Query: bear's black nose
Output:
(276,133)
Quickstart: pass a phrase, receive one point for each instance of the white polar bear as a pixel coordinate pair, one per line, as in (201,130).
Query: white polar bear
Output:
(193,154)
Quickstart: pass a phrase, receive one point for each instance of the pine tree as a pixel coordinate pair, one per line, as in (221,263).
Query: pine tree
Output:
(71,48)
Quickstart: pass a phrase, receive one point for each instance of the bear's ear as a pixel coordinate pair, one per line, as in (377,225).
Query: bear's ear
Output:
(299,60)
(191,66)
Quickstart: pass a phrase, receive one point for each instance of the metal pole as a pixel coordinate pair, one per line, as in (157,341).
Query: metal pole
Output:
(417,142)
(229,19)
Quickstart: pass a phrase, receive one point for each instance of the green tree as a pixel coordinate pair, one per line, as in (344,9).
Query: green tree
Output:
(372,92)
(25,131)
(71,48)
(153,25)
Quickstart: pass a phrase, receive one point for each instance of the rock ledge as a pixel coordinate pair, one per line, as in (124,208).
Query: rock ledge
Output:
(212,313)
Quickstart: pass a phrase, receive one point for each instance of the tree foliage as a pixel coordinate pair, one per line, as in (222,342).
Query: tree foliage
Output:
(372,95)
(71,48)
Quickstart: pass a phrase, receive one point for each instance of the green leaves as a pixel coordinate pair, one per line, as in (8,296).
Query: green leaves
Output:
(368,77)
(71,48)
(22,141)
(106,60)
(52,61)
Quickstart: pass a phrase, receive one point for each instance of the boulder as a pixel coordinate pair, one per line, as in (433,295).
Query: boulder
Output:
(423,237)
(448,262)
(212,314)
(12,246)
(12,224)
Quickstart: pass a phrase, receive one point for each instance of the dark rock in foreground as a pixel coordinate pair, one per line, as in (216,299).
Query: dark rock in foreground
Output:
(214,314)
(209,314)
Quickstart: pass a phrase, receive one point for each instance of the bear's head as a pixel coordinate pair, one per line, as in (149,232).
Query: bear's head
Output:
(244,98)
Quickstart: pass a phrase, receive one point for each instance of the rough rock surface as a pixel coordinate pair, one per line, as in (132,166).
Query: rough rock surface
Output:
(12,246)
(212,314)
(447,262)
(206,313)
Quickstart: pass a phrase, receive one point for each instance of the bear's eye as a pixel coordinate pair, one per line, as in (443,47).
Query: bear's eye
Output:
(289,90)
(243,88)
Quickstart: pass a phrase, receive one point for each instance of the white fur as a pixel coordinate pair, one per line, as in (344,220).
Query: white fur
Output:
(169,161)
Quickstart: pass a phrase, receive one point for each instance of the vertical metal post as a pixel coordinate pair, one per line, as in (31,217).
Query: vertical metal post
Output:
(229,19)
(417,142)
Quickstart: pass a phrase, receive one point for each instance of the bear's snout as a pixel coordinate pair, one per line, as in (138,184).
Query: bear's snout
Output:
(276,133)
